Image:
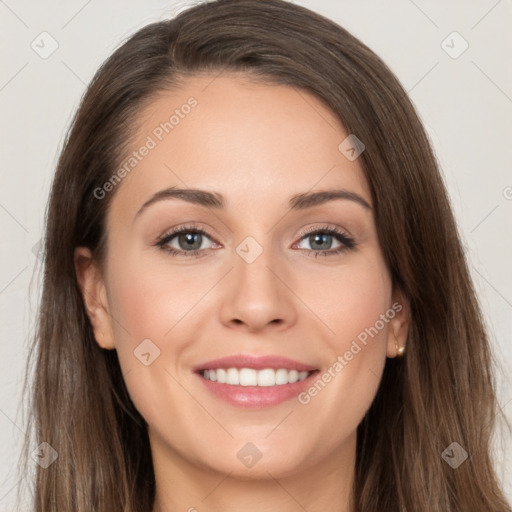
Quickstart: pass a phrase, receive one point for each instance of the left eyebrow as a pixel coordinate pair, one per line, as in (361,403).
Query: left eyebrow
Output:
(217,201)
(308,200)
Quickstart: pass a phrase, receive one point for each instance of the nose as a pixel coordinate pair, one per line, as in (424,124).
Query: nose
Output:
(258,295)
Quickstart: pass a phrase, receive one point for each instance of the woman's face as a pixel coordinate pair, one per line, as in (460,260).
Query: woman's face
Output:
(285,296)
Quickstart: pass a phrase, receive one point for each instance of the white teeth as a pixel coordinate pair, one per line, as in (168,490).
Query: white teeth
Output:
(221,376)
(282,377)
(233,376)
(250,377)
(293,376)
(303,375)
(267,377)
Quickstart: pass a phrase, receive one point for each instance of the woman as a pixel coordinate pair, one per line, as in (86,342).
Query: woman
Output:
(198,347)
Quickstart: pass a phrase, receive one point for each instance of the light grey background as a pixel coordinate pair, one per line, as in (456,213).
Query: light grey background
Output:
(465,103)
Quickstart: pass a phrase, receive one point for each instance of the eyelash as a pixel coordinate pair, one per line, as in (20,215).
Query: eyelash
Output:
(347,241)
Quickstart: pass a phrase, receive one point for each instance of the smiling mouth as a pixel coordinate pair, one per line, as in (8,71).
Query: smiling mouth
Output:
(251,377)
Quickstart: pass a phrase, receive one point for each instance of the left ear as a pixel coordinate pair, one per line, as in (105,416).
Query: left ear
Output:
(398,325)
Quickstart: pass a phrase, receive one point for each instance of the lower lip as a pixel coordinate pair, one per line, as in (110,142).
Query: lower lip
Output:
(256,396)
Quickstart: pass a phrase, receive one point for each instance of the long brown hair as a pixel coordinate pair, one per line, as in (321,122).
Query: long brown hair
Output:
(441,392)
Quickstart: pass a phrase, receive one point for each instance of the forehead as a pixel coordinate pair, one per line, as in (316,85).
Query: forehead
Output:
(249,140)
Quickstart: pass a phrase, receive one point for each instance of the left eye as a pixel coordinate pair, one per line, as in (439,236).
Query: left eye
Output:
(321,240)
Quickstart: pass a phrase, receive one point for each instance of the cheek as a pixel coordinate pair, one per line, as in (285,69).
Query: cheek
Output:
(138,313)
(156,310)
(357,310)
(364,314)
(146,308)
(149,310)
(149,301)
(351,300)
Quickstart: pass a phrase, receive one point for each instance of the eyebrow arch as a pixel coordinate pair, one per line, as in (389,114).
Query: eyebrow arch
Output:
(217,201)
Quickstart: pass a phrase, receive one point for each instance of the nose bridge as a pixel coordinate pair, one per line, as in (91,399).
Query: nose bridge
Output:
(257,295)
(253,268)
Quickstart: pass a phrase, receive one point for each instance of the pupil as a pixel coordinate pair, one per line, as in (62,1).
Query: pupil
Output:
(190,239)
(316,237)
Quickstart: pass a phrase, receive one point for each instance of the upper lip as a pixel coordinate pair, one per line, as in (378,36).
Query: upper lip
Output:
(255,362)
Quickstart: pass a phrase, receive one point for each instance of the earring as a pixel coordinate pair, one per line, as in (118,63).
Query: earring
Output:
(400,350)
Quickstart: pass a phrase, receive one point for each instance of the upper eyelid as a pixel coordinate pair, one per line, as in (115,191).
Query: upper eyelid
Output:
(171,233)
(321,229)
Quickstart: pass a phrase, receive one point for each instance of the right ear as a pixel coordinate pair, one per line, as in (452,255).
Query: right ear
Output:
(94,293)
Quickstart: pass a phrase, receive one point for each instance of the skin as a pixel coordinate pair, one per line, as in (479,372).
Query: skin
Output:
(257,144)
